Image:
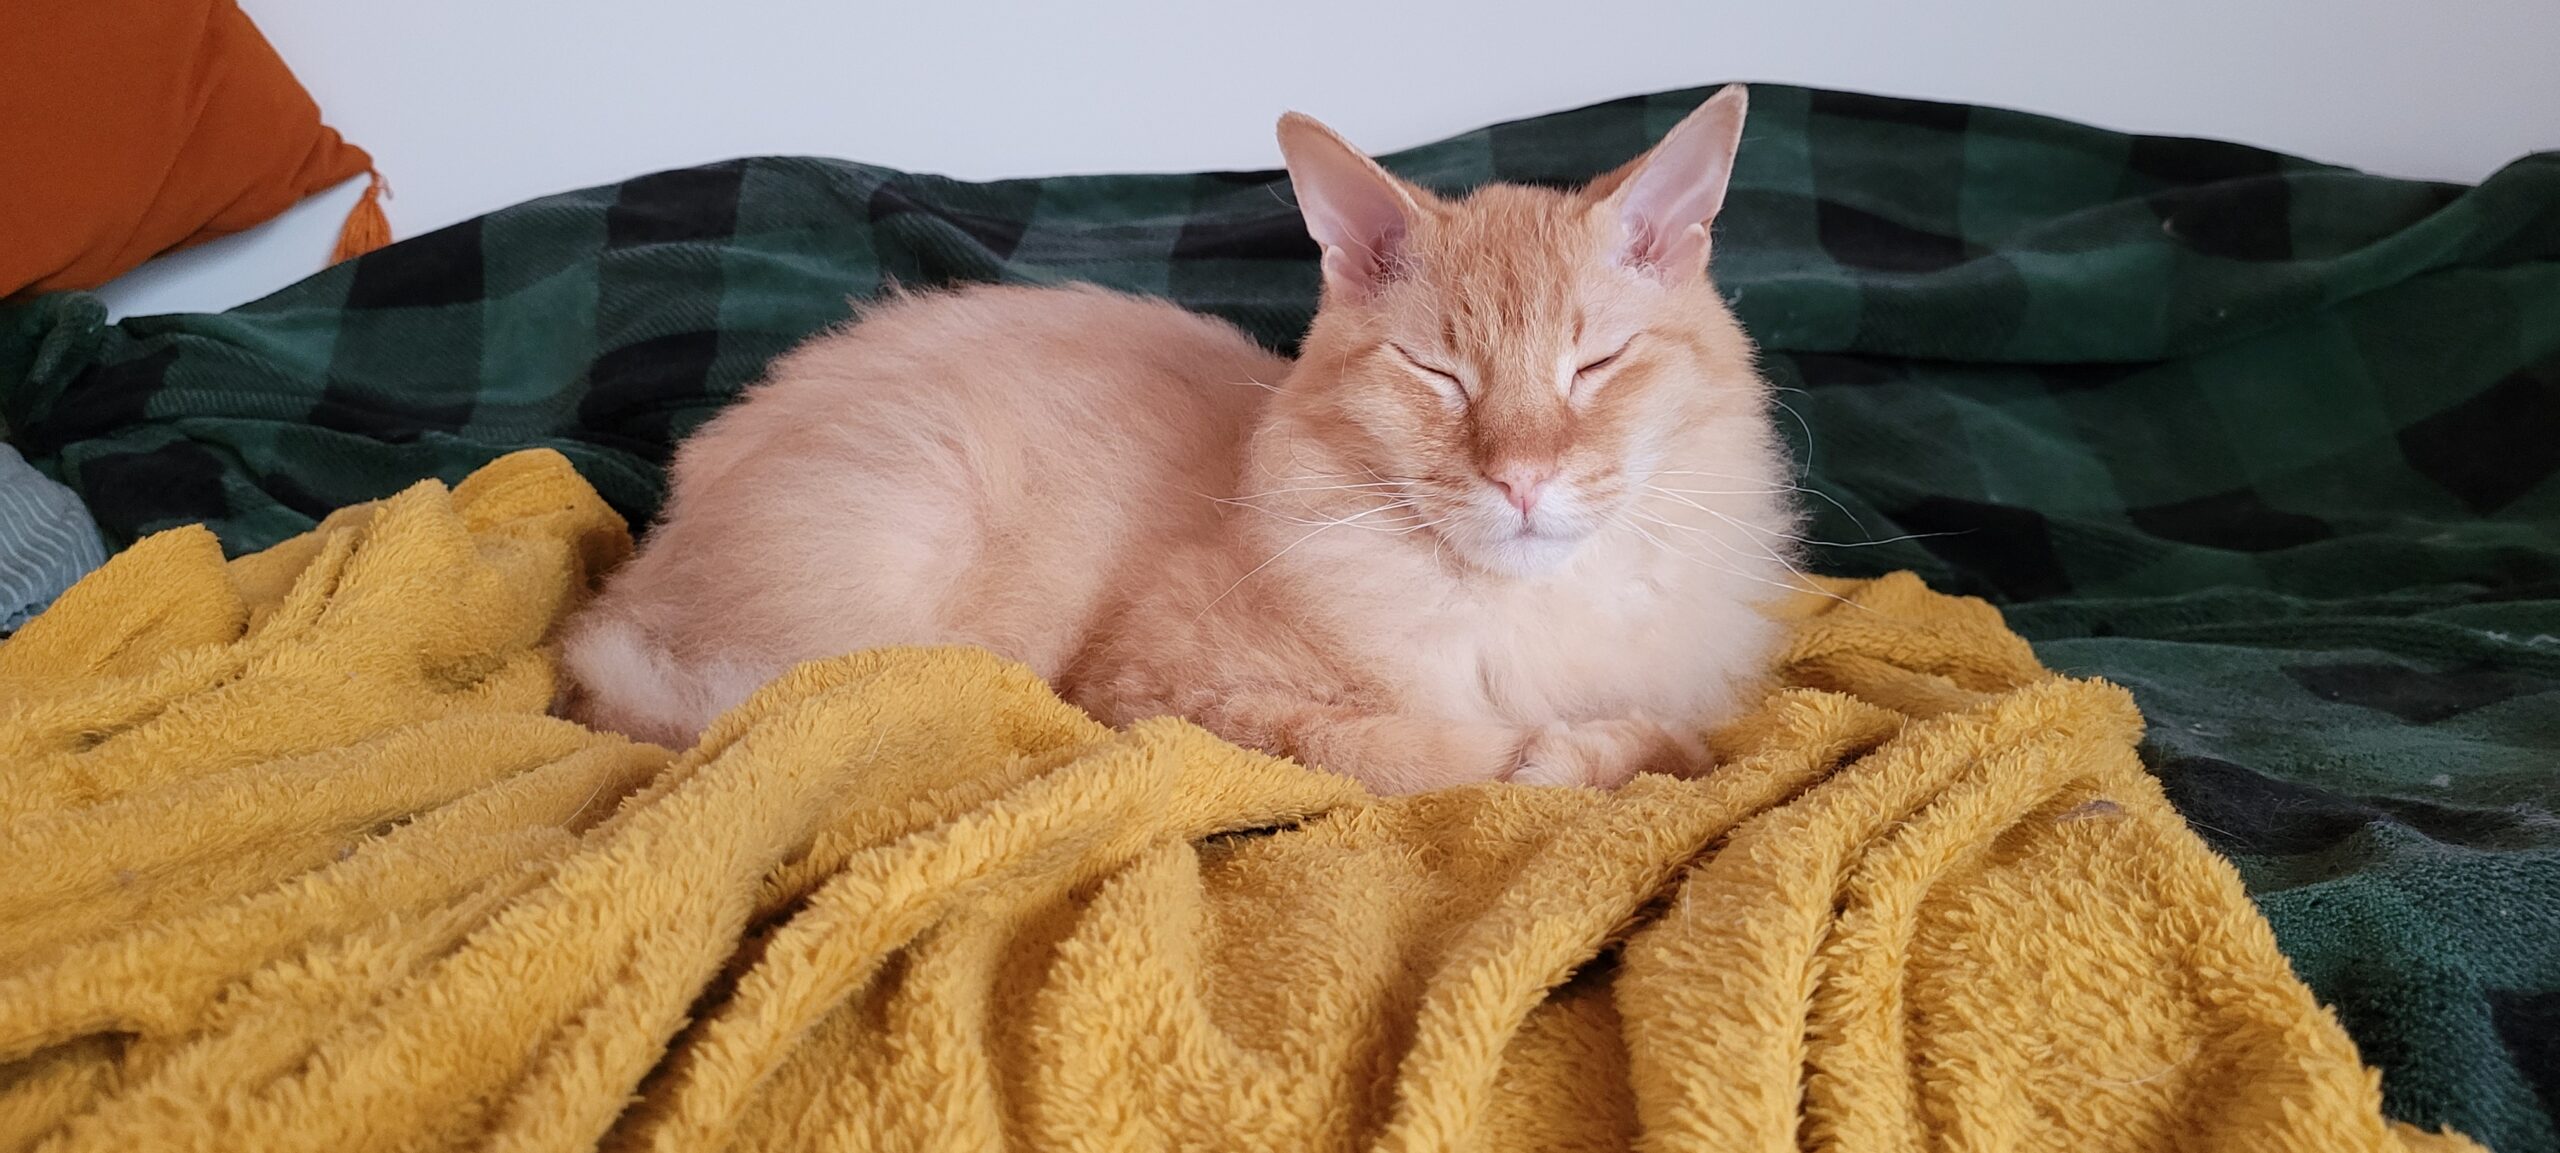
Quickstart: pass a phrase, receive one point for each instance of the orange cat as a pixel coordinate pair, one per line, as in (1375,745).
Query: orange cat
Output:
(1509,516)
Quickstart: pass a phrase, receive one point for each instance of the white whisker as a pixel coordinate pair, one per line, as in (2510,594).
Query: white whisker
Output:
(1826,543)
(1805,468)
(1827,497)
(1310,488)
(1730,570)
(1286,550)
(1765,550)
(1667,522)
(1409,513)
(1677,494)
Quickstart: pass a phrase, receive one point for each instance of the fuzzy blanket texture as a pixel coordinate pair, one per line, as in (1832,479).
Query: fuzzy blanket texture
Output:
(299,862)
(2273,445)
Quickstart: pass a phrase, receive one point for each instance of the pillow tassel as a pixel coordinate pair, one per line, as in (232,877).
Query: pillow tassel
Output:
(366,228)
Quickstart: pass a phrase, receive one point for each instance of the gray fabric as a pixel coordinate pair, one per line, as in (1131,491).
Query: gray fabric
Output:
(47,540)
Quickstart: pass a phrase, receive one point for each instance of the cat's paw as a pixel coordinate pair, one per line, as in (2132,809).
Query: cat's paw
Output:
(1604,754)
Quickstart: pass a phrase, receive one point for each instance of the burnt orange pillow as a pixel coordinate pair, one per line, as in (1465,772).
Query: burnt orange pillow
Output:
(130,128)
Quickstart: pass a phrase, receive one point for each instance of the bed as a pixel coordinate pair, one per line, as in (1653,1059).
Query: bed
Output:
(2270,443)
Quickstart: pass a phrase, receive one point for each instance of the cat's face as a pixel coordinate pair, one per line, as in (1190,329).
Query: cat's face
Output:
(1507,369)
(1511,381)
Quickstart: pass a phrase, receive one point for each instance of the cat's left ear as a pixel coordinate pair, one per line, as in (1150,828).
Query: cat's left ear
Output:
(1667,197)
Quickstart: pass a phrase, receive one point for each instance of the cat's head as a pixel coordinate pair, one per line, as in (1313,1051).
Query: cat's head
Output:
(1514,364)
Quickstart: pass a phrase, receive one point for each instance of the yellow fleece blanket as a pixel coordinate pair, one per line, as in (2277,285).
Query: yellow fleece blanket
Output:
(292,859)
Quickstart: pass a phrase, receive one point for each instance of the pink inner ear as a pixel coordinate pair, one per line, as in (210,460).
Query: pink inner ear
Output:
(1359,221)
(1679,186)
(1685,251)
(1347,267)
(1352,207)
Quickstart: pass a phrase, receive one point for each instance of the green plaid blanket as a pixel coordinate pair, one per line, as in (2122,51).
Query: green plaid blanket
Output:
(2269,442)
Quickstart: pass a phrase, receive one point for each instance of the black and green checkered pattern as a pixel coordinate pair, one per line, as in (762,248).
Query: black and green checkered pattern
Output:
(2269,442)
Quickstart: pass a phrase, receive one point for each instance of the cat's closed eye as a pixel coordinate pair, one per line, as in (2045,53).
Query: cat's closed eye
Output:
(1439,376)
(1590,369)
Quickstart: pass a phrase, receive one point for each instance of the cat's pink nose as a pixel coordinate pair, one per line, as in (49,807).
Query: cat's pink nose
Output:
(1522,484)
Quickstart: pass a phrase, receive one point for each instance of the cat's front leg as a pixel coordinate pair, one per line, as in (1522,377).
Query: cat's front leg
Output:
(1410,753)
(1389,752)
(1606,754)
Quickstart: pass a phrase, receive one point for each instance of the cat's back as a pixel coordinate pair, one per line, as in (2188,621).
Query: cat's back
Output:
(990,372)
(975,467)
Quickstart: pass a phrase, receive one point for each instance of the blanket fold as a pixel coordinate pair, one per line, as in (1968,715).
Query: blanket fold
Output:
(295,861)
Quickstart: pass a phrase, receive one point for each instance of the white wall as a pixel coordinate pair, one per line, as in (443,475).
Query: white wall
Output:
(469,105)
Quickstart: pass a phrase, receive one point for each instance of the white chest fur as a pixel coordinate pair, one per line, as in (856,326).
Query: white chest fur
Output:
(1624,630)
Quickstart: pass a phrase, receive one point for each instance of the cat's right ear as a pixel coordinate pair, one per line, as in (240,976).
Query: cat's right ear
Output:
(1359,213)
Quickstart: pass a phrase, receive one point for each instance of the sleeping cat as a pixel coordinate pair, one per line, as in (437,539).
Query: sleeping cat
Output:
(1510,516)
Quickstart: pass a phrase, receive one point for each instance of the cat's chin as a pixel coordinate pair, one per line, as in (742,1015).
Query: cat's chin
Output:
(1520,556)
